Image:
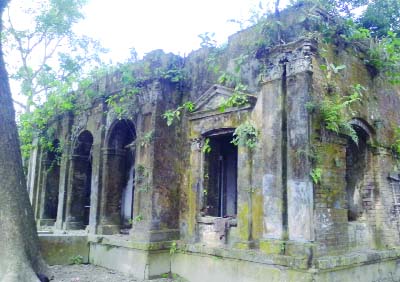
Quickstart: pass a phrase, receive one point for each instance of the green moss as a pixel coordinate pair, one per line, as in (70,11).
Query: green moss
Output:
(258,214)
(243,221)
(272,246)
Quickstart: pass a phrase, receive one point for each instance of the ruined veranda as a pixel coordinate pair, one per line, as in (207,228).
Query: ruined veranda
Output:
(295,201)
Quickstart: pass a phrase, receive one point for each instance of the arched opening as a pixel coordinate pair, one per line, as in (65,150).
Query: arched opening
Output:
(81,181)
(220,178)
(356,170)
(119,173)
(51,187)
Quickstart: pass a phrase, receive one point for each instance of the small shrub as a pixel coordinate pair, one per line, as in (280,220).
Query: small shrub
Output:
(316,175)
(206,147)
(78,259)
(245,135)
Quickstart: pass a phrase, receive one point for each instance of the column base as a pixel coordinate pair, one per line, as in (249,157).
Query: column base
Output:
(108,229)
(74,225)
(45,222)
(154,235)
(289,248)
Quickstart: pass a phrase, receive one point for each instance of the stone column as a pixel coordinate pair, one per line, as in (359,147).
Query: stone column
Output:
(271,140)
(96,186)
(37,196)
(299,184)
(247,198)
(157,211)
(33,172)
(62,193)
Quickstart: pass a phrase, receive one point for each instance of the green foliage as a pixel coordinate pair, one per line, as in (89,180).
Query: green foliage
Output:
(174,115)
(174,75)
(330,71)
(384,56)
(236,100)
(378,23)
(354,32)
(138,218)
(333,108)
(44,67)
(396,143)
(381,17)
(206,147)
(246,135)
(78,259)
(35,123)
(173,248)
(114,102)
(316,175)
(46,72)
(147,138)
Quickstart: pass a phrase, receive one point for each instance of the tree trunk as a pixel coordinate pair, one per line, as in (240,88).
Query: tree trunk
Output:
(20,258)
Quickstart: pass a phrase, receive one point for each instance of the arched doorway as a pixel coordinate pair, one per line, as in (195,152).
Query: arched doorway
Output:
(357,189)
(79,199)
(119,176)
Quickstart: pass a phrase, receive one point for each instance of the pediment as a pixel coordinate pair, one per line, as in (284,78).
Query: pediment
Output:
(213,98)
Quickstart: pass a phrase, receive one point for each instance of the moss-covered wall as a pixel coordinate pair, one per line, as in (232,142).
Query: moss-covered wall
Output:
(281,209)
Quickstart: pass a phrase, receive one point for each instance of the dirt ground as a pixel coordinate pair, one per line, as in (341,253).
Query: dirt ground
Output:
(91,273)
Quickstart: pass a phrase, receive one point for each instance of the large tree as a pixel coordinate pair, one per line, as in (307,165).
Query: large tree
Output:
(48,55)
(20,258)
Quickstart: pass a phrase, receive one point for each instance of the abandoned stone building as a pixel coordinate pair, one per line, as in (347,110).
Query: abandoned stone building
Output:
(295,201)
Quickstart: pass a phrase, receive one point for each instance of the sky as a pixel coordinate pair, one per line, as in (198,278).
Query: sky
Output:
(146,25)
(172,25)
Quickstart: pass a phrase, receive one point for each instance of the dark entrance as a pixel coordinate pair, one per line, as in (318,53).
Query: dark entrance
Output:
(118,193)
(53,179)
(356,168)
(220,177)
(51,184)
(81,181)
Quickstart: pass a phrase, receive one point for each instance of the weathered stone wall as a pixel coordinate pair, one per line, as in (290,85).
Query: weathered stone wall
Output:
(334,232)
(283,218)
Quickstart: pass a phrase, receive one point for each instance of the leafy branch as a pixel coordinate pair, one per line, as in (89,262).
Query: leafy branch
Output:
(174,115)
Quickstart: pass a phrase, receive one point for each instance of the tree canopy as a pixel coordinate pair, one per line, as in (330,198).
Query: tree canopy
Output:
(49,59)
